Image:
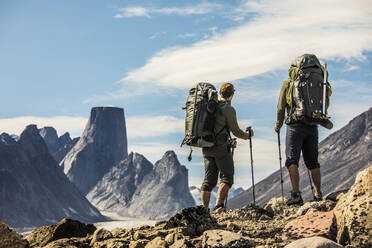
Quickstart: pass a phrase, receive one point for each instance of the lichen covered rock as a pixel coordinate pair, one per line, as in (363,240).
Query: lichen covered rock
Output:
(354,212)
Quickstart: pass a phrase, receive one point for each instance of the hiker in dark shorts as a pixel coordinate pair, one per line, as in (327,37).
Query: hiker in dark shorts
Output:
(218,159)
(299,137)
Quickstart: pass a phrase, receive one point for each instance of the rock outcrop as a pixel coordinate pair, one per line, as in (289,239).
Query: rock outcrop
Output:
(102,145)
(354,212)
(341,155)
(11,239)
(64,229)
(313,223)
(33,189)
(251,226)
(115,190)
(163,191)
(57,146)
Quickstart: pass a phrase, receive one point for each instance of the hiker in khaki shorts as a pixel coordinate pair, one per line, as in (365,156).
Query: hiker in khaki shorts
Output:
(218,159)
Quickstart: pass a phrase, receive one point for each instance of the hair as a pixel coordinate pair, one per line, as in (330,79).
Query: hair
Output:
(227,90)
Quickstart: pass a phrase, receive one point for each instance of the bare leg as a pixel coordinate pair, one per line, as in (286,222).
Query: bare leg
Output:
(205,197)
(222,192)
(295,177)
(315,175)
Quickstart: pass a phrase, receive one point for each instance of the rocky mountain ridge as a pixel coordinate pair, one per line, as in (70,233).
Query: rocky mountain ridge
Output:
(337,223)
(34,190)
(137,188)
(341,155)
(58,146)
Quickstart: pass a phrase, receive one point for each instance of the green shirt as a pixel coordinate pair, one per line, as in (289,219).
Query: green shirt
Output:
(282,103)
(226,117)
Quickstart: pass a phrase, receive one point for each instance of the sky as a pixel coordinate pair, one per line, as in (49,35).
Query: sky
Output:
(58,59)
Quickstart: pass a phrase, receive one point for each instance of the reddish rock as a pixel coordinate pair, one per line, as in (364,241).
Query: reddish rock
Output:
(314,223)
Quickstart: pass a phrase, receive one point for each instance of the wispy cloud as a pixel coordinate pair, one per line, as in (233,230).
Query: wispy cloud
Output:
(278,32)
(351,68)
(157,34)
(186,35)
(139,11)
(133,12)
(154,126)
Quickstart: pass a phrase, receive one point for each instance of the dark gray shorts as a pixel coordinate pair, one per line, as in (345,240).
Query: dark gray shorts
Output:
(217,160)
(302,138)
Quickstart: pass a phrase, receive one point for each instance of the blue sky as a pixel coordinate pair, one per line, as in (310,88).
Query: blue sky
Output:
(58,59)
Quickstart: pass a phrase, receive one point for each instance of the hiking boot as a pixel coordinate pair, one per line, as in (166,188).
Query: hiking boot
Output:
(295,198)
(318,198)
(219,207)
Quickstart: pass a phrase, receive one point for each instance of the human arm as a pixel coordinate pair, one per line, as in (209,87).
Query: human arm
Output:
(282,103)
(232,124)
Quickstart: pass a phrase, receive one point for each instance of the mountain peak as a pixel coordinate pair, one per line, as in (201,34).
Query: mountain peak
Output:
(32,141)
(102,145)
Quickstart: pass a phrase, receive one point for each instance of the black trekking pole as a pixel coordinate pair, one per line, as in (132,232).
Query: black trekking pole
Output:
(250,148)
(311,182)
(281,170)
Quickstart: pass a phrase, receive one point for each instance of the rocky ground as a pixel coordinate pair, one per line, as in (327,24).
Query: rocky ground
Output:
(339,222)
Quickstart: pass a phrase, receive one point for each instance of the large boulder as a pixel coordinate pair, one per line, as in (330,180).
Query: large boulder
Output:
(196,219)
(221,239)
(353,212)
(314,223)
(313,242)
(11,239)
(66,228)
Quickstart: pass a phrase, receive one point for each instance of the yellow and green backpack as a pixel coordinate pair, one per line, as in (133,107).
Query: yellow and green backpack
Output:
(305,95)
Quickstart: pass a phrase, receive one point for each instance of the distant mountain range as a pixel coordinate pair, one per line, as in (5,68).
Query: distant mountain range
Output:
(58,146)
(137,188)
(34,191)
(341,155)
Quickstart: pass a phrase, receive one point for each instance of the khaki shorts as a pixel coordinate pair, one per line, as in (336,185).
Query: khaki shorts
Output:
(217,160)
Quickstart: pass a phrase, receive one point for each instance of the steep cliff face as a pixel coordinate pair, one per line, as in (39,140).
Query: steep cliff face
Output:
(137,188)
(33,189)
(163,191)
(102,145)
(115,190)
(57,146)
(341,156)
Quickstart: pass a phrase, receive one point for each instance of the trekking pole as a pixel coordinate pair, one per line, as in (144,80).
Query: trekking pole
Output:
(250,149)
(311,182)
(281,170)
(324,90)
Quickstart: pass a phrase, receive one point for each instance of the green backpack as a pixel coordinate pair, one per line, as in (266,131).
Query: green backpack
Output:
(306,92)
